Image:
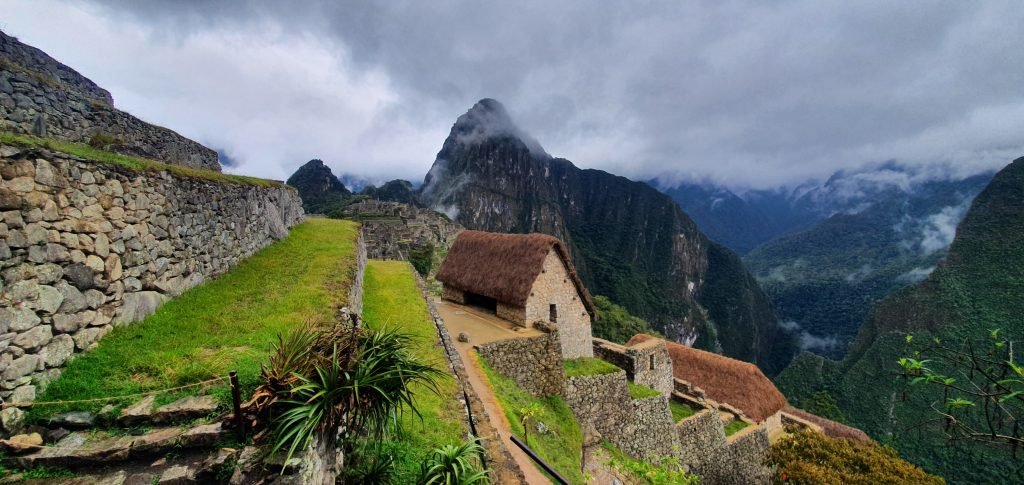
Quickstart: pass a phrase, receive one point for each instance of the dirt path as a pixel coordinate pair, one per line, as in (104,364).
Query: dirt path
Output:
(483,328)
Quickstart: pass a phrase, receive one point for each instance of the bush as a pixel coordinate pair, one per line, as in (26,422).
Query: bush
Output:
(453,465)
(616,323)
(422,259)
(807,457)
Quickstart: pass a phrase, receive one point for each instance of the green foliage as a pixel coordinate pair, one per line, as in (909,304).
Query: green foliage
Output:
(664,470)
(734,426)
(640,391)
(391,298)
(47,473)
(588,366)
(453,465)
(822,404)
(810,458)
(130,162)
(561,446)
(239,316)
(680,410)
(361,393)
(422,259)
(616,323)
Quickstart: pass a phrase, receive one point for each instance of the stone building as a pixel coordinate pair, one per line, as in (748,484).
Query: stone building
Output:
(522,278)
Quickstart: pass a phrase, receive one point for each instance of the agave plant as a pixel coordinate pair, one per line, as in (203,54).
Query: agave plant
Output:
(453,465)
(362,392)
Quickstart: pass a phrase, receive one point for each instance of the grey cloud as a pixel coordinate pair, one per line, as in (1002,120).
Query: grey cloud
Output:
(748,94)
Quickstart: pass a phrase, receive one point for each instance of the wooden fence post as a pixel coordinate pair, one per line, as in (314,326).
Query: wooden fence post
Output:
(236,396)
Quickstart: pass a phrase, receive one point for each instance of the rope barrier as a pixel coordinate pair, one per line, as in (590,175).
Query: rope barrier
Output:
(114,398)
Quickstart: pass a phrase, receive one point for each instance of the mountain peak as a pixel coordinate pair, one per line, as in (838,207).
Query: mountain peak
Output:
(488,120)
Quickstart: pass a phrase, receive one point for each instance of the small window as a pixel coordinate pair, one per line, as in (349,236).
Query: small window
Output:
(652,361)
(553,313)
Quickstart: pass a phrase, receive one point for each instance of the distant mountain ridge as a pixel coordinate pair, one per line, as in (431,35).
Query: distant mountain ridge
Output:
(629,242)
(977,287)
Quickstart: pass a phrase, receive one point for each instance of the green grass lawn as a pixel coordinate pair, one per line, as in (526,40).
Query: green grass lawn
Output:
(735,426)
(127,161)
(680,410)
(562,445)
(639,391)
(228,323)
(588,366)
(390,297)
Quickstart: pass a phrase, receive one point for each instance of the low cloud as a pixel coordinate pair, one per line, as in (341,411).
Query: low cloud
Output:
(939,229)
(915,275)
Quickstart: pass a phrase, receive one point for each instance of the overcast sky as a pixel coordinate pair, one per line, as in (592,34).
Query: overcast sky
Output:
(749,94)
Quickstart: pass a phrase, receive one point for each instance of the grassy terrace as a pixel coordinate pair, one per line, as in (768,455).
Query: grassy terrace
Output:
(588,366)
(127,161)
(224,324)
(640,391)
(562,445)
(390,297)
(680,410)
(734,426)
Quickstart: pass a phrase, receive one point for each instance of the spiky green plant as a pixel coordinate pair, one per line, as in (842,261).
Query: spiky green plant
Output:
(354,393)
(453,465)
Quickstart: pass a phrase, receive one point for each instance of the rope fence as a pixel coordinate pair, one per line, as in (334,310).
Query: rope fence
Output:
(112,398)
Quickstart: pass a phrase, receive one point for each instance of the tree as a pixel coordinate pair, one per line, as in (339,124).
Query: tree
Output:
(981,384)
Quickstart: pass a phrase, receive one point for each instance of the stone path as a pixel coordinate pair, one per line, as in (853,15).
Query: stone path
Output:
(483,328)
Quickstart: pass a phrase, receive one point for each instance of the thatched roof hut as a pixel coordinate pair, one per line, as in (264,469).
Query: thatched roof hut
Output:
(730,381)
(829,427)
(504,266)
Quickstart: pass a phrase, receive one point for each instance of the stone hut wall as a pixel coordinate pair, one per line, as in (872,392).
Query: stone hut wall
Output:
(639,427)
(514,314)
(748,458)
(85,246)
(43,97)
(647,363)
(702,444)
(452,294)
(535,363)
(553,286)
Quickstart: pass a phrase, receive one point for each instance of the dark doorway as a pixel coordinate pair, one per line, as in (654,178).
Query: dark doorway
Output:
(482,302)
(553,313)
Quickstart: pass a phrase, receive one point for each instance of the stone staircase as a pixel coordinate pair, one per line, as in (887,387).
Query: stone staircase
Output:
(177,443)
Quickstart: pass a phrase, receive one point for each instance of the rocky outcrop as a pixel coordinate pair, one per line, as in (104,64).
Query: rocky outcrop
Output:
(86,246)
(42,97)
(629,242)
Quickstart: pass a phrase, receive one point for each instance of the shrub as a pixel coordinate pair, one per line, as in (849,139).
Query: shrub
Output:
(807,457)
(453,465)
(422,259)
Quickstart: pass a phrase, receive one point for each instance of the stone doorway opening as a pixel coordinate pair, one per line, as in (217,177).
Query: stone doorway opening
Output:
(481,302)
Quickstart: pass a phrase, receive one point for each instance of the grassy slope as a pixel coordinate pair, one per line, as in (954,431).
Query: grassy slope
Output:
(680,411)
(227,323)
(127,161)
(390,297)
(562,445)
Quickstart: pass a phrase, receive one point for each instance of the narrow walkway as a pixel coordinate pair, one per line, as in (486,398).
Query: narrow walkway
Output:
(483,328)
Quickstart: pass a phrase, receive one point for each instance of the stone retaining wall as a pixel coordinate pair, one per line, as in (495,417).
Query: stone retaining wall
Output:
(647,363)
(85,246)
(43,97)
(639,427)
(535,363)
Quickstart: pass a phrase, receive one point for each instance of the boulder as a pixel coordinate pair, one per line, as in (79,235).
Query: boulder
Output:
(137,413)
(186,408)
(58,350)
(74,420)
(79,275)
(12,419)
(22,443)
(139,305)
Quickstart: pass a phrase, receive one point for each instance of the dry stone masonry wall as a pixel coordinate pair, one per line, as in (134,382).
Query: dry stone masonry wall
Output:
(85,246)
(647,363)
(639,427)
(535,363)
(43,97)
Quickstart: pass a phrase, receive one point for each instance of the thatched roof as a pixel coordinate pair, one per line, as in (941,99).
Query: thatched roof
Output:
(504,266)
(739,384)
(829,427)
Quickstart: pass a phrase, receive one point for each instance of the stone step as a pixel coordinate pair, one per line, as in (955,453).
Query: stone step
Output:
(78,449)
(184,409)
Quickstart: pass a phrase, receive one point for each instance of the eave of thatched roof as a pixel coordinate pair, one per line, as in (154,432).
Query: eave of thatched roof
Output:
(737,383)
(504,266)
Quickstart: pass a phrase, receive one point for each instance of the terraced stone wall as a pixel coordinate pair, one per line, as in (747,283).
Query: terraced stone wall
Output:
(86,246)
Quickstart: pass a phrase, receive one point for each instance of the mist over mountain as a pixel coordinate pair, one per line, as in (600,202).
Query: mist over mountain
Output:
(975,288)
(630,242)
